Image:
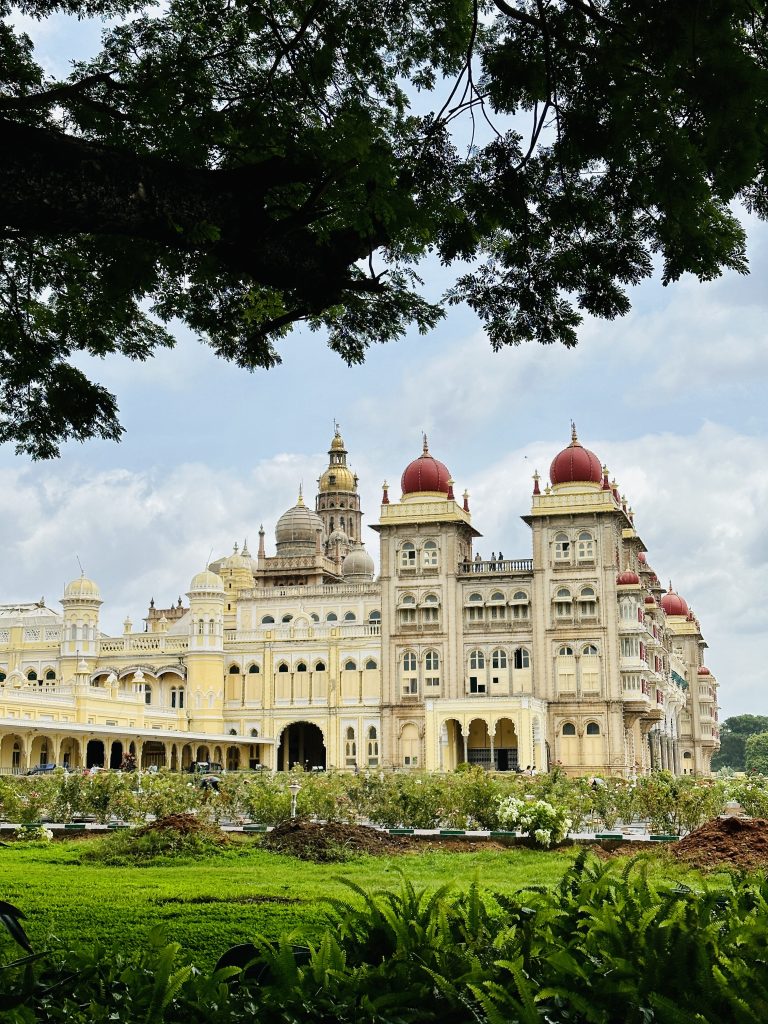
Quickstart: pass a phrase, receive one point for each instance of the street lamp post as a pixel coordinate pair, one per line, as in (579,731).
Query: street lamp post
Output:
(294,789)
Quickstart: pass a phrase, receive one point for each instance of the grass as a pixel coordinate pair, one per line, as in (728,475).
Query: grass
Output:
(208,905)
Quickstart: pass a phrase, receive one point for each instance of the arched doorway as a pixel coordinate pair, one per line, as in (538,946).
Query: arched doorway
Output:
(203,754)
(451,745)
(94,754)
(233,759)
(116,754)
(505,746)
(301,744)
(479,744)
(69,752)
(12,754)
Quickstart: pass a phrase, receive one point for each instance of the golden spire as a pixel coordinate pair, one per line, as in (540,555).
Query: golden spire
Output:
(574,435)
(300,502)
(425,445)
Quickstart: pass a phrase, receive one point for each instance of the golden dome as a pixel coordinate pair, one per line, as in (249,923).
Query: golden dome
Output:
(337,444)
(337,478)
(82,588)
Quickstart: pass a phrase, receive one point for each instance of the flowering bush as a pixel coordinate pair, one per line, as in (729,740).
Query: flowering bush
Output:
(33,834)
(542,821)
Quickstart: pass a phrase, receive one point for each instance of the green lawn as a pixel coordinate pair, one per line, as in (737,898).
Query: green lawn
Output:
(211,904)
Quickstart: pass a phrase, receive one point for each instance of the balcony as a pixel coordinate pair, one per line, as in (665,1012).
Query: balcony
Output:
(505,567)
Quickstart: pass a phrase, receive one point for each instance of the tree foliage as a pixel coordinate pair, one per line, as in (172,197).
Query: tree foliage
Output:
(246,167)
(756,759)
(733,740)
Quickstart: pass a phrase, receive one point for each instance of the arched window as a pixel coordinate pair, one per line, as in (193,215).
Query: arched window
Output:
(370,664)
(50,675)
(499,659)
(253,669)
(287,618)
(234,670)
(254,732)
(180,696)
(408,556)
(350,747)
(585,547)
(350,666)
(593,729)
(429,554)
(350,617)
(331,617)
(408,610)
(589,650)
(2,677)
(410,681)
(431,661)
(282,667)
(587,603)
(301,667)
(477,660)
(563,603)
(315,617)
(520,605)
(147,693)
(431,599)
(521,658)
(173,696)
(562,548)
(475,612)
(320,666)
(267,620)
(498,605)
(569,729)
(565,651)
(431,611)
(32,676)
(375,617)
(373,746)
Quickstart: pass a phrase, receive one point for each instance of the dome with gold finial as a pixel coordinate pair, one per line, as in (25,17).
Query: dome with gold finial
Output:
(82,588)
(575,464)
(296,530)
(338,476)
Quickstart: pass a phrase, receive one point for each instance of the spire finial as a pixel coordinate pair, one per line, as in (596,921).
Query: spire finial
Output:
(425,445)
(385,494)
(536,478)
(670,587)
(300,502)
(574,435)
(336,428)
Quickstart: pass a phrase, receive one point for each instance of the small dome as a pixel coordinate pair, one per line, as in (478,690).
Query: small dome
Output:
(338,536)
(297,529)
(82,588)
(207,580)
(641,558)
(703,671)
(673,604)
(235,560)
(337,444)
(624,579)
(425,474)
(575,464)
(358,565)
(650,599)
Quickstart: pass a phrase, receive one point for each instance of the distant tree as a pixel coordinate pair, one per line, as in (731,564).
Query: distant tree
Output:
(757,753)
(246,166)
(733,740)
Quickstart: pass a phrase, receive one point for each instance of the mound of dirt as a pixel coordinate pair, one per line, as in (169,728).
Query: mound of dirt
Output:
(729,842)
(183,825)
(332,841)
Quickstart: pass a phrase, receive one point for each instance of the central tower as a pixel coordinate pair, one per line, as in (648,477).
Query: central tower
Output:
(337,502)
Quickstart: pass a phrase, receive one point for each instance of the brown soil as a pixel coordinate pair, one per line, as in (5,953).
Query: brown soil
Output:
(184,825)
(334,841)
(726,842)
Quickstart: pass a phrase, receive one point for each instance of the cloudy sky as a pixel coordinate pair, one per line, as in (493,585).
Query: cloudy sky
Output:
(672,397)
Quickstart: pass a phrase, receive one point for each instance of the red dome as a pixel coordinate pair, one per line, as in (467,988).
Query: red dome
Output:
(650,600)
(704,671)
(641,557)
(575,464)
(425,474)
(627,577)
(673,604)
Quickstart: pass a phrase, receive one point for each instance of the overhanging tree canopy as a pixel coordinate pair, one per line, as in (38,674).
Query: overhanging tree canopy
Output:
(248,166)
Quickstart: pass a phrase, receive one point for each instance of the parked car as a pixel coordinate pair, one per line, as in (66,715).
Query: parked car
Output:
(41,769)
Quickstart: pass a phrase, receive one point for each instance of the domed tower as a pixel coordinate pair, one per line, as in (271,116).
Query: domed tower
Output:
(205,658)
(337,502)
(81,603)
(296,531)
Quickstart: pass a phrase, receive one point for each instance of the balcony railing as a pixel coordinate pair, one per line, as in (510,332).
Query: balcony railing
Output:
(497,567)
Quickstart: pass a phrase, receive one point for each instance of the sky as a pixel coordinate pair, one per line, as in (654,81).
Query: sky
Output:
(671,397)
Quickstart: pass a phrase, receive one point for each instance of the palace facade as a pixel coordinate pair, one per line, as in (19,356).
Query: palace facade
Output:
(574,655)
